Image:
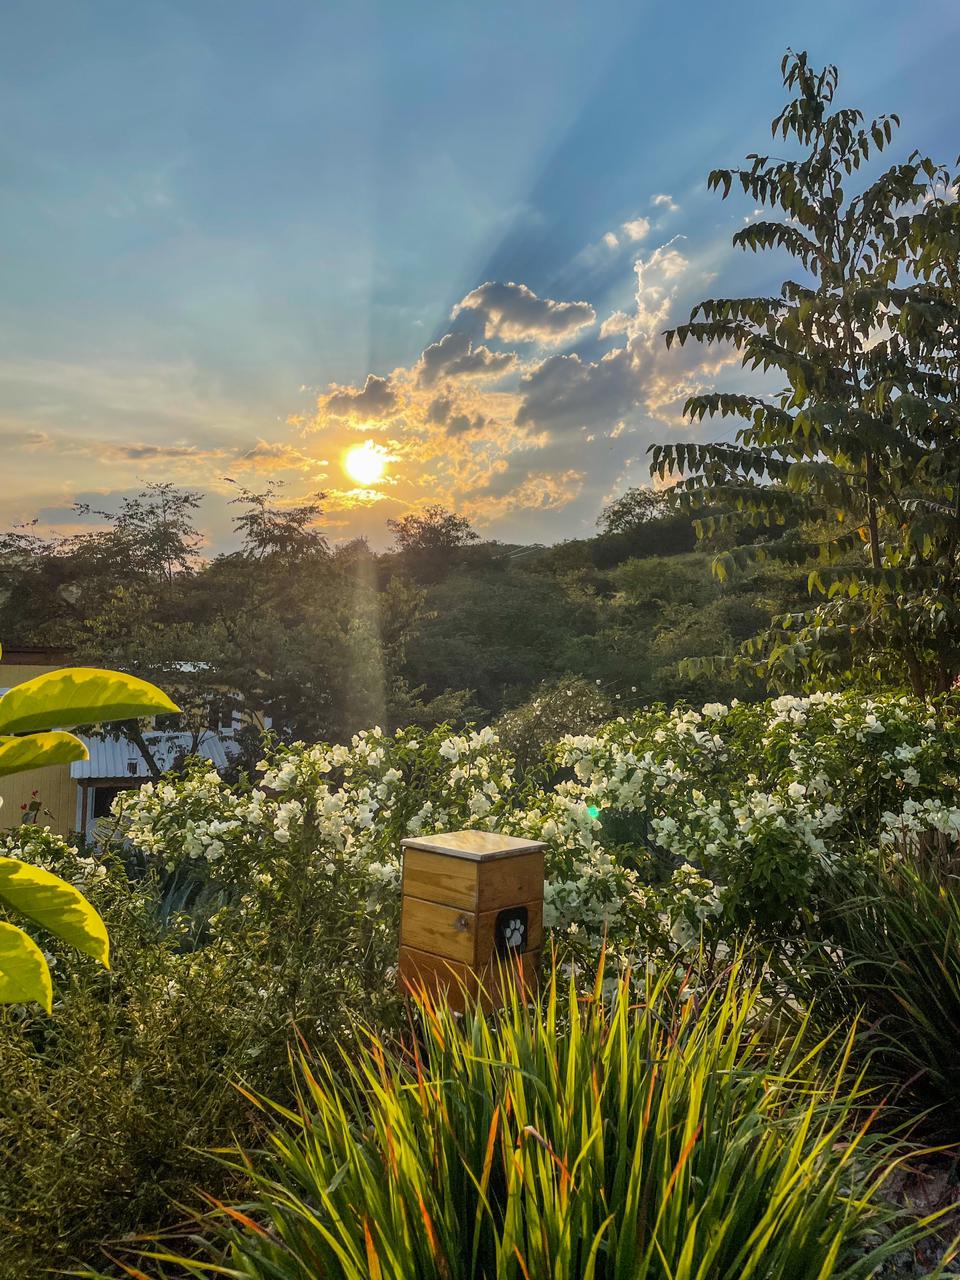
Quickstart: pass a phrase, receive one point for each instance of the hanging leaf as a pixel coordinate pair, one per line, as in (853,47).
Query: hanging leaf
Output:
(79,695)
(54,905)
(38,751)
(24,974)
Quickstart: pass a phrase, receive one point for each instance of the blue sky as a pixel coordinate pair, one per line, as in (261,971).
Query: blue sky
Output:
(218,217)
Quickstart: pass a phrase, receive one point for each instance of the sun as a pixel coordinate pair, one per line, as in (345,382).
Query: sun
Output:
(366,463)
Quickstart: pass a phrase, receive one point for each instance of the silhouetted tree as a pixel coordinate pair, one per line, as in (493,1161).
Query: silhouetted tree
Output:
(429,540)
(268,527)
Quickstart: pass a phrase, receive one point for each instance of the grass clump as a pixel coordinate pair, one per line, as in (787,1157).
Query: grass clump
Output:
(893,953)
(620,1135)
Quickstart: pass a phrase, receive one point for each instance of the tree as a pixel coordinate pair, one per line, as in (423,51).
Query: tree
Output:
(157,526)
(134,630)
(633,508)
(269,528)
(434,529)
(641,522)
(429,540)
(864,437)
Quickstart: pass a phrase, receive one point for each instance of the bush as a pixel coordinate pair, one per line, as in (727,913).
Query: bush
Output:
(569,705)
(893,952)
(242,913)
(110,1104)
(597,1138)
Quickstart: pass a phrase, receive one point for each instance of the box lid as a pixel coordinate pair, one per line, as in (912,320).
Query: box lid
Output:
(475,846)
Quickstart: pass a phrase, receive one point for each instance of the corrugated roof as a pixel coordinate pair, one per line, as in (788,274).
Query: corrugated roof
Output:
(118,758)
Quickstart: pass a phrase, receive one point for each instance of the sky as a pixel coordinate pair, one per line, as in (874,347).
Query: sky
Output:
(242,242)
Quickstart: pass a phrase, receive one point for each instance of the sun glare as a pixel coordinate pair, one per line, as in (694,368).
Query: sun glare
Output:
(365,463)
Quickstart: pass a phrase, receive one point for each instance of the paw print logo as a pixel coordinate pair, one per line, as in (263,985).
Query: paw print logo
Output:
(513,932)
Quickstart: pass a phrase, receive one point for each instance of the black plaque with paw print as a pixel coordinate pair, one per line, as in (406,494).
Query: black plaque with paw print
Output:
(511,933)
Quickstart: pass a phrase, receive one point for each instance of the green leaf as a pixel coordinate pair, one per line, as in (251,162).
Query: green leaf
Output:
(38,750)
(79,695)
(54,905)
(24,974)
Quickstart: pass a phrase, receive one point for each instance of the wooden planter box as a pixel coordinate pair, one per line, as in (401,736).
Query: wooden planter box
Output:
(471,914)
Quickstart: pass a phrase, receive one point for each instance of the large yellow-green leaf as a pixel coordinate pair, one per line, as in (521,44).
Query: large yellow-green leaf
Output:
(79,695)
(23,971)
(38,750)
(54,905)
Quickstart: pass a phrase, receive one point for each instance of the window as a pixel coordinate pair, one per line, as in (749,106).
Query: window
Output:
(103,798)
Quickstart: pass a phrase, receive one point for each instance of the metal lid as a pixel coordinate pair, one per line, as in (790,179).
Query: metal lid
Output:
(475,846)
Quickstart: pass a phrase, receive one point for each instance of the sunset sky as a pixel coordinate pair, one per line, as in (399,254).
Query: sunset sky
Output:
(240,239)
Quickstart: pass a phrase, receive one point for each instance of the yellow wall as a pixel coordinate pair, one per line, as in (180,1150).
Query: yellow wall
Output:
(56,790)
(12,673)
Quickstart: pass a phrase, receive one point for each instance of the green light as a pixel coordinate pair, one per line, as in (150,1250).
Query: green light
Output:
(593,811)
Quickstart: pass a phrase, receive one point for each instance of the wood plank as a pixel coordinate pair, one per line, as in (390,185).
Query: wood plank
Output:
(456,983)
(487,929)
(437,878)
(443,931)
(510,881)
(472,844)
(450,980)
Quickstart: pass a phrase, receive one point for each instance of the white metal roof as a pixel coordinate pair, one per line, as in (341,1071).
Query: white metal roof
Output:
(118,758)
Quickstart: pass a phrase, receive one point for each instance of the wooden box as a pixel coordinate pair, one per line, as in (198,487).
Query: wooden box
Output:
(471,914)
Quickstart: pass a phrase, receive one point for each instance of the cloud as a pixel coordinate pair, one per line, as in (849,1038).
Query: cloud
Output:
(539,491)
(616,322)
(101,449)
(460,424)
(653,295)
(455,356)
(631,231)
(489,434)
(439,409)
(663,201)
(276,456)
(566,393)
(481,429)
(636,229)
(154,452)
(350,499)
(514,313)
(667,260)
(375,399)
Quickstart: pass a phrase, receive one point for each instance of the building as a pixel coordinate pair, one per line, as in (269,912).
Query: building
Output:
(70,798)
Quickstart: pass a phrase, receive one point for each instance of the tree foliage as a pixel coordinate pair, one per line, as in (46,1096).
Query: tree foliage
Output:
(270,527)
(631,509)
(154,528)
(861,447)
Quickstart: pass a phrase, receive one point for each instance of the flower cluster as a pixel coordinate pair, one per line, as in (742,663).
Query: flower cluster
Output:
(669,824)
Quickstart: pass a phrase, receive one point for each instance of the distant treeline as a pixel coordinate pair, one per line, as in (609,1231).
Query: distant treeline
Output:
(443,626)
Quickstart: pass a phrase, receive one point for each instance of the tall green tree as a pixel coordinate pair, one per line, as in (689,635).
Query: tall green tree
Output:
(861,447)
(271,528)
(157,526)
(429,541)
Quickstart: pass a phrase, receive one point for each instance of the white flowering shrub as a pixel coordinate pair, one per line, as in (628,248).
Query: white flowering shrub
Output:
(666,828)
(243,915)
